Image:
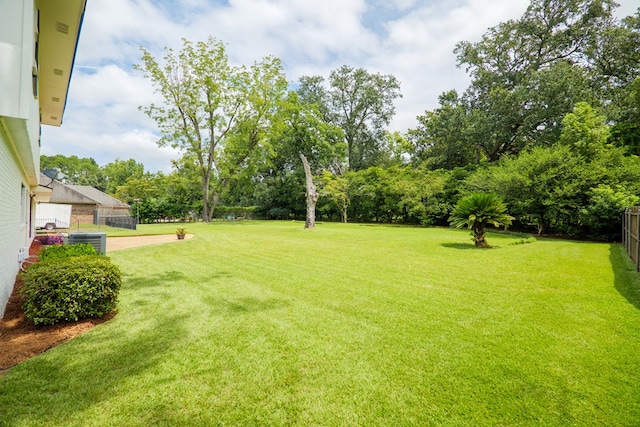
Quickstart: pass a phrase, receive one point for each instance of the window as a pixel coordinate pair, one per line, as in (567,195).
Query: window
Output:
(24,198)
(36,46)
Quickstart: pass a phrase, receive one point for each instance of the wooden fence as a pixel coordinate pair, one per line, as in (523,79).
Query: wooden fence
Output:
(631,234)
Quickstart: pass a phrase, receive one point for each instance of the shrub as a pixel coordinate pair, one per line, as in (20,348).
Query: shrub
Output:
(524,241)
(66,251)
(603,215)
(69,289)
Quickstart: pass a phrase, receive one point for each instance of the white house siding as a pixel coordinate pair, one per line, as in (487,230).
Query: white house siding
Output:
(17,59)
(19,134)
(14,219)
(26,27)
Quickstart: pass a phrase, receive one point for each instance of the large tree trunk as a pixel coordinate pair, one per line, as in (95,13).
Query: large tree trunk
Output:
(312,194)
(210,201)
(207,196)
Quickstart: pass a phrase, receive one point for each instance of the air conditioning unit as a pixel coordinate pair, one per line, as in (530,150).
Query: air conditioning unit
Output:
(98,240)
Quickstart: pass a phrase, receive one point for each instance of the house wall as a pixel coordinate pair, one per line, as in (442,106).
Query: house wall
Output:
(17,59)
(15,218)
(19,138)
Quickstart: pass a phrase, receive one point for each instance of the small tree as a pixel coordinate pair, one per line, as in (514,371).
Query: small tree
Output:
(478,210)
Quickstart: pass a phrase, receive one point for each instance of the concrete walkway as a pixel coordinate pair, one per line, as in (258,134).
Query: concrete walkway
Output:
(118,243)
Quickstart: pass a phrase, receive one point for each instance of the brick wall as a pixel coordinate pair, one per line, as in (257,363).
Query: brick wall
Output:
(82,214)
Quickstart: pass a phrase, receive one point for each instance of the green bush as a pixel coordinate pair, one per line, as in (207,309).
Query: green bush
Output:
(66,251)
(602,217)
(524,241)
(69,289)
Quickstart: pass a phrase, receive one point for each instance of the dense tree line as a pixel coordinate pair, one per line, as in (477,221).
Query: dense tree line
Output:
(550,124)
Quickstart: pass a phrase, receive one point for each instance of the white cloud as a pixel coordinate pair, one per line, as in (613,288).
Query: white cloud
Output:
(411,39)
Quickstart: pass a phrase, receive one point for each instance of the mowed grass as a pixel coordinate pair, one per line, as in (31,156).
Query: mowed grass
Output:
(264,323)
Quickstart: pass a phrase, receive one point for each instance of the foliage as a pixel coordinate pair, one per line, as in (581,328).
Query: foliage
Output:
(66,251)
(246,212)
(336,189)
(626,132)
(585,131)
(616,61)
(525,241)
(69,289)
(77,171)
(119,172)
(216,113)
(304,141)
(442,139)
(603,212)
(359,102)
(528,73)
(181,231)
(478,210)
(396,150)
(398,194)
(547,188)
(51,239)
(279,192)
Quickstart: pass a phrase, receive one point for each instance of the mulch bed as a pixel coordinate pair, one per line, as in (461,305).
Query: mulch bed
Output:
(20,339)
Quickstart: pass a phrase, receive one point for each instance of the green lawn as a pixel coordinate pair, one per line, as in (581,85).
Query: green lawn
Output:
(142,229)
(264,323)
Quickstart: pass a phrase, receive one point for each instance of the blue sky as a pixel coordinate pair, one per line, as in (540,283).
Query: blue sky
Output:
(411,39)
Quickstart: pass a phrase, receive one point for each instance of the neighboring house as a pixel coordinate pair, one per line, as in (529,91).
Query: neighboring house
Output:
(89,204)
(38,40)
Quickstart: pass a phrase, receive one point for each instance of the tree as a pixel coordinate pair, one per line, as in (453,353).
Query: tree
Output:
(528,73)
(544,187)
(302,133)
(603,214)
(585,131)
(441,139)
(616,61)
(360,103)
(396,150)
(336,189)
(626,131)
(77,171)
(368,190)
(311,193)
(217,114)
(118,172)
(554,188)
(478,210)
(142,187)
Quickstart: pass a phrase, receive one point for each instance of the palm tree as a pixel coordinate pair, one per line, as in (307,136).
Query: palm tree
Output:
(478,210)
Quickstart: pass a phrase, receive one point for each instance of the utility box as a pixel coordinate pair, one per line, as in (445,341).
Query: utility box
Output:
(98,240)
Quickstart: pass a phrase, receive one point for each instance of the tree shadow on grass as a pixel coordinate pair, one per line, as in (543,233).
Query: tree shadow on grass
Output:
(139,282)
(627,279)
(246,305)
(459,245)
(68,380)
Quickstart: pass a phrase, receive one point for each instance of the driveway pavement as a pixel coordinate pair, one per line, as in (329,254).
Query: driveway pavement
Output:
(118,243)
